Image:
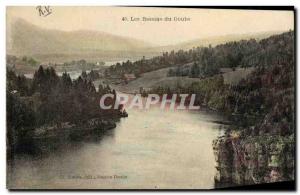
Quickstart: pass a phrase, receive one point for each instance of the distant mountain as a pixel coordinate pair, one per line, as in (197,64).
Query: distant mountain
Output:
(216,40)
(25,38)
(46,45)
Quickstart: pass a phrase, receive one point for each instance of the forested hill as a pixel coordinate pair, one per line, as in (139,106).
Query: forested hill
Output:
(259,144)
(246,53)
(50,45)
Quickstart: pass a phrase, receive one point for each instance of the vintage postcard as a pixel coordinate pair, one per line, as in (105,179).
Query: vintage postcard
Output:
(149,97)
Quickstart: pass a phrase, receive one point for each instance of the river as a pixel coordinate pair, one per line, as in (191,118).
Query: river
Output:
(149,149)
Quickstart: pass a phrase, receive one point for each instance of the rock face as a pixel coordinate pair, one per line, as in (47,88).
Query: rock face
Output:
(253,159)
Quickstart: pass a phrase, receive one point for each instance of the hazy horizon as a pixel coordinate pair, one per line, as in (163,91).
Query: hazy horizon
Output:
(204,23)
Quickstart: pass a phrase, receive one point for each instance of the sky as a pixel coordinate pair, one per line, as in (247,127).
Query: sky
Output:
(202,23)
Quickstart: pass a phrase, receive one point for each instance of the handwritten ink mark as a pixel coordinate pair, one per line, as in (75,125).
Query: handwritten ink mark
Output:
(44,10)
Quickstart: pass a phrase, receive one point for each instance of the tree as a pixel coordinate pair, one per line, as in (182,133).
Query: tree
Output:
(20,119)
(195,70)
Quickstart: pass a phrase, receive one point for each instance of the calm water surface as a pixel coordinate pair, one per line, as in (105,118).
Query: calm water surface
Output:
(149,149)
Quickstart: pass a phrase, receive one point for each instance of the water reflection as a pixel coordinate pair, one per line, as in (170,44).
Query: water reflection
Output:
(149,149)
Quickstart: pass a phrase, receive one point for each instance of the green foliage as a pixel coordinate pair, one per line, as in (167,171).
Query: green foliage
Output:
(91,76)
(80,64)
(195,71)
(54,100)
(25,60)
(20,119)
(275,50)
(265,98)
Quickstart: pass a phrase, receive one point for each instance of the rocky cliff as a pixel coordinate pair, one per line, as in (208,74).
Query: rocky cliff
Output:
(246,160)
